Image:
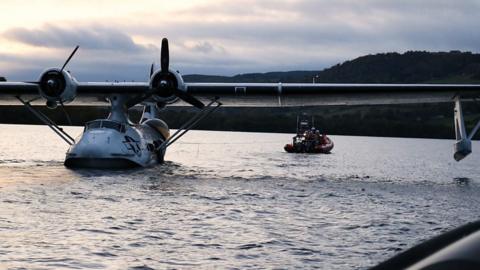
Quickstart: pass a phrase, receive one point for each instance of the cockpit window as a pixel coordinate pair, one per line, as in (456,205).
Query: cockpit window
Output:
(111,125)
(105,124)
(93,124)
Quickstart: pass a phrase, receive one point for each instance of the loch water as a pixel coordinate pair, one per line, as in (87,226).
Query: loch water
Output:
(230,200)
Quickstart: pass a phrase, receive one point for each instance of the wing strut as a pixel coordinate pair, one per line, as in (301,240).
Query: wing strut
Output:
(463,143)
(47,121)
(187,126)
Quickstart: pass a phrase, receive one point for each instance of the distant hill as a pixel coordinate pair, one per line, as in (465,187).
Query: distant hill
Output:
(409,67)
(269,77)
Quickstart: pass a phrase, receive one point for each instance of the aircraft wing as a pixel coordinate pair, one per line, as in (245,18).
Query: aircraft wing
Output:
(87,93)
(91,93)
(291,94)
(265,94)
(17,88)
(106,88)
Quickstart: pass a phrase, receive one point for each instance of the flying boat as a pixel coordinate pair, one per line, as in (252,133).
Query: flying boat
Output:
(117,142)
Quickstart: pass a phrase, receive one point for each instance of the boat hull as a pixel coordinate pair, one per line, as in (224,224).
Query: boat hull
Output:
(324,148)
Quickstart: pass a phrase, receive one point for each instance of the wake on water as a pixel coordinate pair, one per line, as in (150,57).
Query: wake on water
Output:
(230,200)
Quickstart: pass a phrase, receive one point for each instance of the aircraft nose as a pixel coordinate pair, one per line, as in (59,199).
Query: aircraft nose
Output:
(97,143)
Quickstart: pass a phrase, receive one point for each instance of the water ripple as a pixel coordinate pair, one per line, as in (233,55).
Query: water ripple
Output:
(230,208)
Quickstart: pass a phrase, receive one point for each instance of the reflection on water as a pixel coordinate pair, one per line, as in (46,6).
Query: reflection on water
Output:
(462,181)
(230,200)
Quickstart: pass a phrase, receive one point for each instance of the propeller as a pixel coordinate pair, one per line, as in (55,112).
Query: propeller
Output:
(69,58)
(152,67)
(164,56)
(189,98)
(52,83)
(165,83)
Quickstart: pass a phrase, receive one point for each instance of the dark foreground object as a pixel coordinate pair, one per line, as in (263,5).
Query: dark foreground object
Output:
(456,249)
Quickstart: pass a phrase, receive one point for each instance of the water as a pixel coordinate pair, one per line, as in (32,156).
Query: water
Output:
(230,201)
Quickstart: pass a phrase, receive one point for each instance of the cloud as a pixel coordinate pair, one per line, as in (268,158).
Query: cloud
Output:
(204,47)
(94,37)
(106,53)
(228,37)
(379,25)
(313,34)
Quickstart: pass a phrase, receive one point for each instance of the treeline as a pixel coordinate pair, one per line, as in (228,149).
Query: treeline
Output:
(409,120)
(409,67)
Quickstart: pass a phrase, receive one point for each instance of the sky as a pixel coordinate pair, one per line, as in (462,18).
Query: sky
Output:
(119,40)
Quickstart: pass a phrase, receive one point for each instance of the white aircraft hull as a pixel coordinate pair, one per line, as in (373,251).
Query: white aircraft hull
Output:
(135,146)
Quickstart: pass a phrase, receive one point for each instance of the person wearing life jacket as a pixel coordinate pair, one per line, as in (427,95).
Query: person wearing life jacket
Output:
(309,142)
(310,134)
(323,139)
(317,137)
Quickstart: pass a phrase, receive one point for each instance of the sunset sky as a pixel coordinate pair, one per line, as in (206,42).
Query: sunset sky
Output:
(120,39)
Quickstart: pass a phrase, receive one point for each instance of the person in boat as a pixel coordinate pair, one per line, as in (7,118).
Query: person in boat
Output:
(310,139)
(323,139)
(318,137)
(310,134)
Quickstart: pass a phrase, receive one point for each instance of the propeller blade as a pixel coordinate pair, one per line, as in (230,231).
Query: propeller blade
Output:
(164,56)
(189,98)
(68,60)
(152,67)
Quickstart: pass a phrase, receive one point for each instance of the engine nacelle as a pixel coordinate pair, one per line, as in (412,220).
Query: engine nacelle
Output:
(164,83)
(160,126)
(57,86)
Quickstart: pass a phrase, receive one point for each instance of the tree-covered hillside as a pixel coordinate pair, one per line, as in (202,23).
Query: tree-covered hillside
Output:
(409,67)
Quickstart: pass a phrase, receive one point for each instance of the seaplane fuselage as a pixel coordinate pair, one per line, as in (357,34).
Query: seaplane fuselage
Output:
(109,144)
